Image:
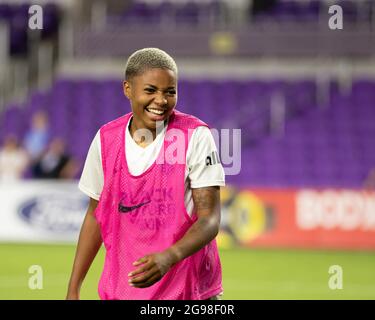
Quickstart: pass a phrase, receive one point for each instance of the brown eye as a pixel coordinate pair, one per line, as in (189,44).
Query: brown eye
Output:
(150,90)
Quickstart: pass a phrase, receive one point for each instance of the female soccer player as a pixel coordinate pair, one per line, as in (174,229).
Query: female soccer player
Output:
(154,196)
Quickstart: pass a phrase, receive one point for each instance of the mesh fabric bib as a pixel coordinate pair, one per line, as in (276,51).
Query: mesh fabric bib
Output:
(144,214)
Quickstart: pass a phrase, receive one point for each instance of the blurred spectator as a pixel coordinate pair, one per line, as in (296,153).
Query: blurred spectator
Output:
(37,137)
(55,163)
(13,160)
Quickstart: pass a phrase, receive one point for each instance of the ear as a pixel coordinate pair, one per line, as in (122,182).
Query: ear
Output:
(126,88)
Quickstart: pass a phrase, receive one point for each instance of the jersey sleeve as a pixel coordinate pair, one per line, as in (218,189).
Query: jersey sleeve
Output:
(92,178)
(205,169)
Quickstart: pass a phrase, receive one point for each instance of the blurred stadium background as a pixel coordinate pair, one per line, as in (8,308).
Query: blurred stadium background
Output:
(302,94)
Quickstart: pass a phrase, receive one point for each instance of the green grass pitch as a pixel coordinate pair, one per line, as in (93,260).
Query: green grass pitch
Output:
(247,273)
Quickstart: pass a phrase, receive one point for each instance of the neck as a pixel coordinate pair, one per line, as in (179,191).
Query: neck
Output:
(134,126)
(140,138)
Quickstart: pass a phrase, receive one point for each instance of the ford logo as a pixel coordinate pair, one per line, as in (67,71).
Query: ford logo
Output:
(59,213)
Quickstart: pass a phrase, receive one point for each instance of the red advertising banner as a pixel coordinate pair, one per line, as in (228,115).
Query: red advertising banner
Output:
(340,219)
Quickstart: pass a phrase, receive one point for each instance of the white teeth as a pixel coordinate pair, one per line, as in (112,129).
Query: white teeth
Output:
(155,111)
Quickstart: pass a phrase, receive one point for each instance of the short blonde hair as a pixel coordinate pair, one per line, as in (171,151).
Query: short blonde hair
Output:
(148,58)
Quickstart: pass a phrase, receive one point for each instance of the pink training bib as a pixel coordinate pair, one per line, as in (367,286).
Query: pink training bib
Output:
(144,214)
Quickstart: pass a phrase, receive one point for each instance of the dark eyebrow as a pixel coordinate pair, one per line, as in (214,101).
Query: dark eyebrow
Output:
(154,87)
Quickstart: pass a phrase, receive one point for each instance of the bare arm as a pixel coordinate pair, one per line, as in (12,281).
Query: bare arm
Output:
(88,246)
(154,266)
(205,229)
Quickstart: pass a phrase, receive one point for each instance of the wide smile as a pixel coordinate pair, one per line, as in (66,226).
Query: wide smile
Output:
(155,111)
(156,114)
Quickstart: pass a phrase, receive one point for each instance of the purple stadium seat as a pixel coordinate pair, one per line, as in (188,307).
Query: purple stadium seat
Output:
(331,147)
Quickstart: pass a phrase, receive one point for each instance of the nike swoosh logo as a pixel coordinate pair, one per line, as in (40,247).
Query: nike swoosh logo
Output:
(125,209)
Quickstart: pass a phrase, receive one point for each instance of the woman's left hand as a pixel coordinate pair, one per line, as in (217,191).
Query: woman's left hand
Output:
(151,269)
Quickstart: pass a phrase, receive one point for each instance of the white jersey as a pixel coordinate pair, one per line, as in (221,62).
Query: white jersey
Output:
(198,172)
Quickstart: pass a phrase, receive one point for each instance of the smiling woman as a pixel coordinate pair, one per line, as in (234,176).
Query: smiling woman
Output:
(153,97)
(158,220)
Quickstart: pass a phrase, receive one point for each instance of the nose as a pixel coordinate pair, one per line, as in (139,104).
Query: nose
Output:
(160,99)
